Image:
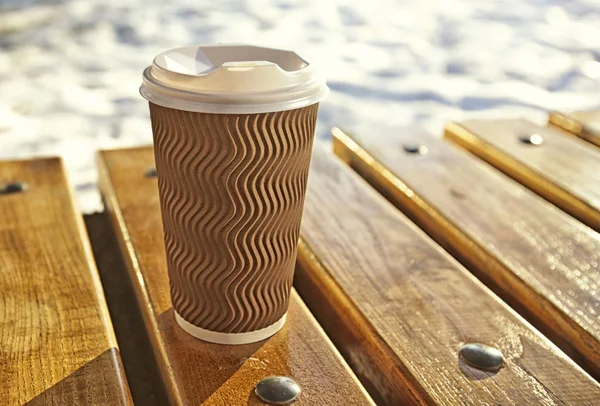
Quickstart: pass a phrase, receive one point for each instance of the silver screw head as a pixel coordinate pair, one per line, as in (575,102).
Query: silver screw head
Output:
(531,139)
(150,173)
(415,149)
(482,356)
(12,187)
(277,390)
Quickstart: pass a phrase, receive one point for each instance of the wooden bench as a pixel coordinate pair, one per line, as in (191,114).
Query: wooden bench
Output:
(537,258)
(400,309)
(391,305)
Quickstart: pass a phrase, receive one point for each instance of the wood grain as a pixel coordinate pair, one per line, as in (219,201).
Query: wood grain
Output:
(412,306)
(57,344)
(584,124)
(564,170)
(542,261)
(198,372)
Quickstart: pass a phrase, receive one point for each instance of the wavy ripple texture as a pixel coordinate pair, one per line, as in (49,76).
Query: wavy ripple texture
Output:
(232,192)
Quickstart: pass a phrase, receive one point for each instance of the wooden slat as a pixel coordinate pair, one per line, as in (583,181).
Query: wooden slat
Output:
(564,170)
(399,308)
(195,371)
(584,124)
(57,344)
(539,259)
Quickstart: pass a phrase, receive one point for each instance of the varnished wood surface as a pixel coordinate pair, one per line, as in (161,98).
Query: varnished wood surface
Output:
(409,307)
(57,344)
(541,260)
(584,124)
(565,170)
(197,372)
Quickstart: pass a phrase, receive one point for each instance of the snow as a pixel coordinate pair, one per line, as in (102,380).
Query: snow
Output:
(70,70)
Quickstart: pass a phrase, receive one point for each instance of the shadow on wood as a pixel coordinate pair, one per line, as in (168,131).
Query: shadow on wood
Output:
(140,367)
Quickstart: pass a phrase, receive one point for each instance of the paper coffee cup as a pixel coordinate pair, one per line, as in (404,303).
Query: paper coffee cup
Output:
(233,129)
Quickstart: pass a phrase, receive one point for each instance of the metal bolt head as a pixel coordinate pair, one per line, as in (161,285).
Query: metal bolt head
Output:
(150,173)
(277,390)
(13,187)
(482,356)
(531,139)
(415,149)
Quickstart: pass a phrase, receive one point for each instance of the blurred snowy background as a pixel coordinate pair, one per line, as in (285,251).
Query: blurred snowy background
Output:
(70,70)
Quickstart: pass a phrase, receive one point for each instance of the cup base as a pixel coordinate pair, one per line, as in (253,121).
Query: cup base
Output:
(229,338)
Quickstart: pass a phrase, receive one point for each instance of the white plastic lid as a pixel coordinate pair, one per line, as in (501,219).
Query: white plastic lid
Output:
(232,79)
